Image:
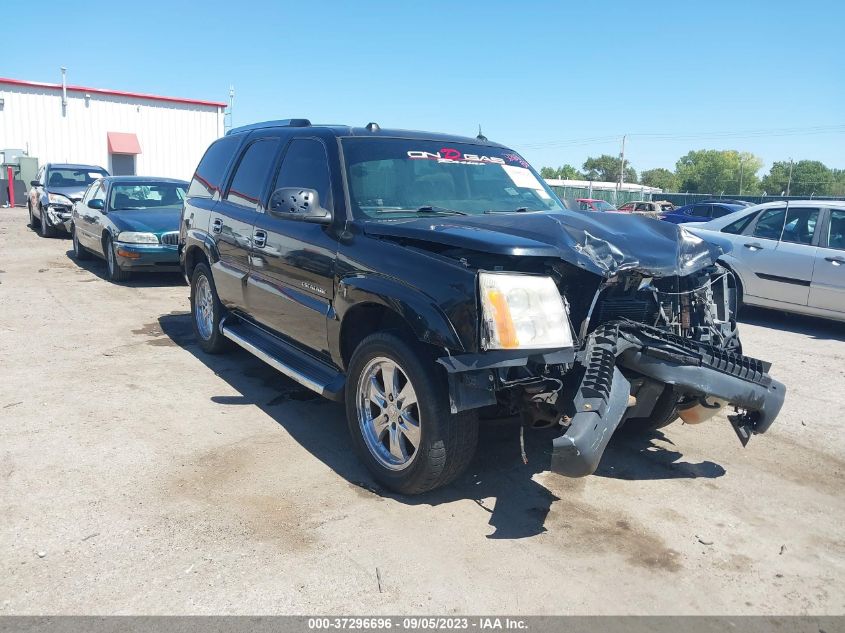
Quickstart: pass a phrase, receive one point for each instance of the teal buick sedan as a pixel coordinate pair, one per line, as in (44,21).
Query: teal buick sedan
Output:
(130,221)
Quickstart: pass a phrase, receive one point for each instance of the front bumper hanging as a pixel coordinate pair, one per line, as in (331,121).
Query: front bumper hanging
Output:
(692,368)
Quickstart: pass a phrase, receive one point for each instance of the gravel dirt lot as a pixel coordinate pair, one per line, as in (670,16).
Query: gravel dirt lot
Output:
(140,476)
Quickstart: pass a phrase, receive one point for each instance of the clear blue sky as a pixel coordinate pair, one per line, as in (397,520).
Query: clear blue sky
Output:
(542,77)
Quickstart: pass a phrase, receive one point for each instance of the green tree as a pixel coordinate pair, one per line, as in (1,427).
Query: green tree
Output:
(606,168)
(567,172)
(660,177)
(838,188)
(718,171)
(809,177)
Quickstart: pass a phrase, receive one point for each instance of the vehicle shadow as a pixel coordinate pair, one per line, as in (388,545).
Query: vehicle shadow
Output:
(519,505)
(814,327)
(97,267)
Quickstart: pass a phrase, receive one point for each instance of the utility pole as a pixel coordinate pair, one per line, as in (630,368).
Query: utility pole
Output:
(622,167)
(789,182)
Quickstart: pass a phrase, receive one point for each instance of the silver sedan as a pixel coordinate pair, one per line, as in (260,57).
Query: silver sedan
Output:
(786,255)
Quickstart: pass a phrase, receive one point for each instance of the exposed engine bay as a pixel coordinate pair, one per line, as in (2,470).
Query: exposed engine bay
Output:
(647,351)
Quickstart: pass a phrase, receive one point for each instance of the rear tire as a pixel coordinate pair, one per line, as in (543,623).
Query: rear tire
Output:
(79,251)
(384,427)
(207,312)
(116,273)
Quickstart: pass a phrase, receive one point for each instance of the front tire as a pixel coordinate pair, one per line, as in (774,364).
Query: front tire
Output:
(46,230)
(31,216)
(79,251)
(116,273)
(664,413)
(207,312)
(397,409)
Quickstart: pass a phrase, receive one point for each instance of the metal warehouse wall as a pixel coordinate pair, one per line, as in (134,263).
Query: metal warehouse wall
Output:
(172,136)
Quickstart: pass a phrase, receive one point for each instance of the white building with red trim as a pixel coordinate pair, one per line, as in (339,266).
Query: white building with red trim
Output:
(124,132)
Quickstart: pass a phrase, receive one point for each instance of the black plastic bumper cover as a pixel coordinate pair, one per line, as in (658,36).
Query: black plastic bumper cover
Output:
(602,397)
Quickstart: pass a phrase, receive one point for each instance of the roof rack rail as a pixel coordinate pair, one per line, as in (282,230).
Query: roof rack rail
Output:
(266,124)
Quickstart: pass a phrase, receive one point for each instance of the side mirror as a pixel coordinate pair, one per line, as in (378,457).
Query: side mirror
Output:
(295,203)
(34,183)
(96,203)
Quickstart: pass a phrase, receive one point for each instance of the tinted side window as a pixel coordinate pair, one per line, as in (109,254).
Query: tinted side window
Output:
(719,212)
(306,165)
(770,224)
(701,210)
(253,172)
(836,234)
(738,226)
(208,178)
(800,225)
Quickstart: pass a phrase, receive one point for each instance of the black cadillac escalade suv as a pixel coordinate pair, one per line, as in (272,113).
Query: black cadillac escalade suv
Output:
(432,281)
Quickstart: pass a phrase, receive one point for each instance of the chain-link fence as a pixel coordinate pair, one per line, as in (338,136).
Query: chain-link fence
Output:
(680,199)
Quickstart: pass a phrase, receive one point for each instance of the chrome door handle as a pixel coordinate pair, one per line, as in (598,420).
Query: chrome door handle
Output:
(259,239)
(835,260)
(217,225)
(754,246)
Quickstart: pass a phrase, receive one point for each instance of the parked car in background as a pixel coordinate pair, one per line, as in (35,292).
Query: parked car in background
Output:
(786,255)
(647,206)
(430,281)
(130,221)
(56,187)
(594,204)
(703,211)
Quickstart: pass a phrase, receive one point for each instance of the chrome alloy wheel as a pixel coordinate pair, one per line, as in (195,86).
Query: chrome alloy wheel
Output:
(204,308)
(388,413)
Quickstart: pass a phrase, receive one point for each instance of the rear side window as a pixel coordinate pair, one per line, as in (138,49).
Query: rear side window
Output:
(800,225)
(253,172)
(719,212)
(738,226)
(701,210)
(208,179)
(306,165)
(770,224)
(836,235)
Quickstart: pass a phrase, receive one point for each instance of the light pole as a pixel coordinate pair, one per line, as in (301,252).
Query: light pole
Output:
(740,175)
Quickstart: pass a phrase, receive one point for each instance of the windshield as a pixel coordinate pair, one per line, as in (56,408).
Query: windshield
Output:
(601,205)
(404,178)
(67,177)
(142,195)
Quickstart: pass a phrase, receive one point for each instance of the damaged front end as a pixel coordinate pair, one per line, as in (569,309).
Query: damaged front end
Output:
(650,345)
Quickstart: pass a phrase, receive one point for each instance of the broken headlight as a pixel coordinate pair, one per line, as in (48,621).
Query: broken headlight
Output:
(522,312)
(59,200)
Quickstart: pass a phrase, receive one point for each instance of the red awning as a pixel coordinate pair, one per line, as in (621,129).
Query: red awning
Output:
(123,143)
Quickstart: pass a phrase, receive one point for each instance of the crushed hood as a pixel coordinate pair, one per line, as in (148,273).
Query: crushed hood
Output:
(605,243)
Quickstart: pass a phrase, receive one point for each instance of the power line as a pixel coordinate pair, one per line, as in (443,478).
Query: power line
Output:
(758,133)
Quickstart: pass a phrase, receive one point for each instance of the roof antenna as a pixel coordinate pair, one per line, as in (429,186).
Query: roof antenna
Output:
(480,136)
(372,127)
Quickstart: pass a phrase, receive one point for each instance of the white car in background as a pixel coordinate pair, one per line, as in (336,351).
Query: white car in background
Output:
(786,255)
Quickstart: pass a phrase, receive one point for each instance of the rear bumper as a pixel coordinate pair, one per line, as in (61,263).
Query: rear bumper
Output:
(692,369)
(152,257)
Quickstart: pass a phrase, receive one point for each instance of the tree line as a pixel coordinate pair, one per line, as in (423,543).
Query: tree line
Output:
(710,171)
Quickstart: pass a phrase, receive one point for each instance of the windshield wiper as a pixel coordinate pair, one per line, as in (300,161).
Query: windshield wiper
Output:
(517,210)
(427,208)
